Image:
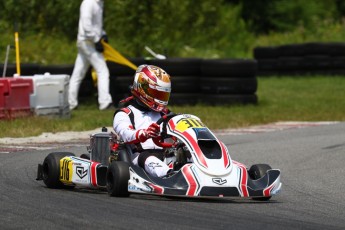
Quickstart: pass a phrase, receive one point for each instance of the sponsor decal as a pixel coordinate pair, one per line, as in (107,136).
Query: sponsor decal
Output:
(133,188)
(81,172)
(154,165)
(66,169)
(219,181)
(186,123)
(190,141)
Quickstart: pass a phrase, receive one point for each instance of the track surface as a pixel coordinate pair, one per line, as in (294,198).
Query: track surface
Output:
(311,160)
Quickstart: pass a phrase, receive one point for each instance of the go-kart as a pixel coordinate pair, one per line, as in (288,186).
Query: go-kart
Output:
(201,166)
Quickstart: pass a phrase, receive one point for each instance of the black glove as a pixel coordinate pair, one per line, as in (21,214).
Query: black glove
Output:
(99,46)
(105,38)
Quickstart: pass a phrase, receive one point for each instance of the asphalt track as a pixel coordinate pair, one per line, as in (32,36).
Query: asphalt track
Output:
(312,197)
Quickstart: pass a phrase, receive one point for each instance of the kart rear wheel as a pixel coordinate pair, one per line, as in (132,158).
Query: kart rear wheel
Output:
(256,172)
(51,169)
(117,179)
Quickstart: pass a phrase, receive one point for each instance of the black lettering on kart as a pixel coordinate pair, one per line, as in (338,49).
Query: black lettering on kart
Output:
(64,173)
(81,172)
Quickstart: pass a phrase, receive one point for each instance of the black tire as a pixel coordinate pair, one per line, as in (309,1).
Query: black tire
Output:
(228,85)
(314,63)
(120,87)
(267,67)
(26,69)
(336,49)
(51,169)
(292,64)
(228,68)
(321,48)
(121,84)
(117,179)
(228,99)
(338,63)
(116,69)
(124,155)
(56,69)
(184,98)
(268,52)
(179,66)
(292,50)
(256,172)
(184,84)
(85,156)
(87,88)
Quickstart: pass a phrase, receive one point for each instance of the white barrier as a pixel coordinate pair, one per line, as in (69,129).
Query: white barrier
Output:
(50,97)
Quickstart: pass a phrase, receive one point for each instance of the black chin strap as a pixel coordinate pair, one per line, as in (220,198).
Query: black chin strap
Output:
(141,106)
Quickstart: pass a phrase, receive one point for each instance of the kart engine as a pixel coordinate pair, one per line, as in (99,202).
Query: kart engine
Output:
(100,146)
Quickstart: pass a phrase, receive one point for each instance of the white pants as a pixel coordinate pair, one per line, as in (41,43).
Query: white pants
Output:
(87,55)
(153,166)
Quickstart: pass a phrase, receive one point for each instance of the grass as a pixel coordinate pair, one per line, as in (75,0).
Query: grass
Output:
(312,98)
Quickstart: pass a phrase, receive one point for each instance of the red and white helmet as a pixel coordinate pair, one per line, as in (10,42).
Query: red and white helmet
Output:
(152,87)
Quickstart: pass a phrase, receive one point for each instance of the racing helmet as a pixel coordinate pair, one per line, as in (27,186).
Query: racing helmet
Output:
(152,87)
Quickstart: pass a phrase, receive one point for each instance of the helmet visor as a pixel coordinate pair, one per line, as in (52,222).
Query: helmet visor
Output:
(158,94)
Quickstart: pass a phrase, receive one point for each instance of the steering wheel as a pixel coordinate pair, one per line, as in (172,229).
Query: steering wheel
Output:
(160,140)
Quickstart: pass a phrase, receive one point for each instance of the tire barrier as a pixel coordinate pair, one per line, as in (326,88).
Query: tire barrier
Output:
(121,77)
(228,85)
(243,68)
(229,99)
(179,66)
(194,80)
(25,69)
(185,79)
(228,81)
(301,59)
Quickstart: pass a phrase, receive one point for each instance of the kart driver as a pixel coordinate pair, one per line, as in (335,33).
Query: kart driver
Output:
(136,123)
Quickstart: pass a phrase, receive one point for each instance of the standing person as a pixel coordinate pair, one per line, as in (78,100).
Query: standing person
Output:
(136,123)
(90,34)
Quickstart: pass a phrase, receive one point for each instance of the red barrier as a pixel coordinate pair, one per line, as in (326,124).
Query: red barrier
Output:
(17,97)
(3,91)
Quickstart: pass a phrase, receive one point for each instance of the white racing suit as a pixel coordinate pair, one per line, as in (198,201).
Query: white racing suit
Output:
(127,126)
(90,31)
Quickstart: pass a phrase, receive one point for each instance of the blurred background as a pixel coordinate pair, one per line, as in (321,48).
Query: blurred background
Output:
(179,28)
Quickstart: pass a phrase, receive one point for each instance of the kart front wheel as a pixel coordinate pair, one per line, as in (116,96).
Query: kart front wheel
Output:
(256,172)
(51,169)
(117,179)
(85,156)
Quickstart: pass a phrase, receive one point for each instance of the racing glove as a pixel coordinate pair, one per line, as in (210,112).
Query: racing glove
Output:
(105,38)
(151,132)
(99,46)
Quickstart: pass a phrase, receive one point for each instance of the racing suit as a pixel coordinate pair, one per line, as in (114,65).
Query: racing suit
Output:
(128,122)
(90,31)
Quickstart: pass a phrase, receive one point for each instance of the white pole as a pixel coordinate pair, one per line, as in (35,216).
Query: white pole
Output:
(6,60)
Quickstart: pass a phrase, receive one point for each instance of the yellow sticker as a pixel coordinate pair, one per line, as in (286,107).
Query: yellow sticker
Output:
(186,123)
(66,170)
